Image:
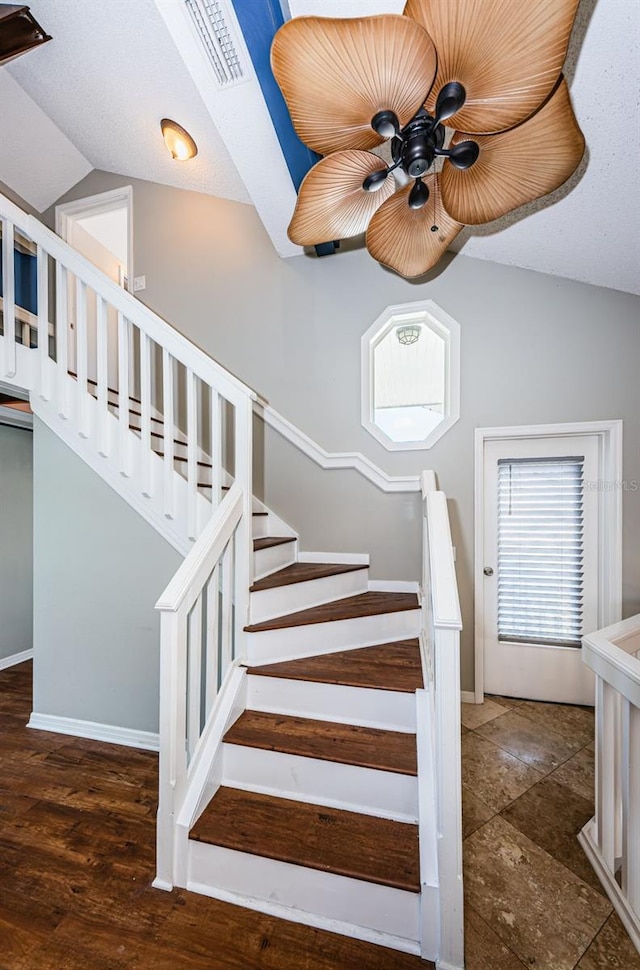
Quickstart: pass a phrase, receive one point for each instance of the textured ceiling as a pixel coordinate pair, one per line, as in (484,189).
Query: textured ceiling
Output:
(116,67)
(107,78)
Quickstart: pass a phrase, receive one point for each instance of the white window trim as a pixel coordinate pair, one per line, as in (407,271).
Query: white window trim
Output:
(609,524)
(446,327)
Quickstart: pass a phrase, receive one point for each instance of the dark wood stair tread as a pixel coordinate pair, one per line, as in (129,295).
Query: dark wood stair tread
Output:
(266,542)
(303,572)
(372,603)
(386,666)
(348,744)
(377,850)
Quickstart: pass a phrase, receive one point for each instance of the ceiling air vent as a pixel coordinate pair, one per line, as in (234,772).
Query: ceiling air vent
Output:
(217,36)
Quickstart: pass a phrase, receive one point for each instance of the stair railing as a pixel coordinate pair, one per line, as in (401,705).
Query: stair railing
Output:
(198,645)
(171,431)
(160,420)
(611,839)
(440,642)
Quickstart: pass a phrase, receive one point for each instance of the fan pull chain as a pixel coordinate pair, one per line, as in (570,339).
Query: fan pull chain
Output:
(436,185)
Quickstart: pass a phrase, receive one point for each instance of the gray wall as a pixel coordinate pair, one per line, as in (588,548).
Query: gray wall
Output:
(535,349)
(16,536)
(99,569)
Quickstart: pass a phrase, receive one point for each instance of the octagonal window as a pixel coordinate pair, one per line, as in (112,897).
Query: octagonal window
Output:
(410,375)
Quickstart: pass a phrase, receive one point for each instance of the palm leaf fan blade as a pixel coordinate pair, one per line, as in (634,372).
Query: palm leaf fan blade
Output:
(403,238)
(331,201)
(508,55)
(335,75)
(516,166)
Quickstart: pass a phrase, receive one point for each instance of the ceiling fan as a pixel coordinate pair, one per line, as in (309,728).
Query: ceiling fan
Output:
(468,95)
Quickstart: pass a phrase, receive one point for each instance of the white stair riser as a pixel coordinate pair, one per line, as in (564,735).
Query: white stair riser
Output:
(266,561)
(269,882)
(316,638)
(350,788)
(269,603)
(262,524)
(387,709)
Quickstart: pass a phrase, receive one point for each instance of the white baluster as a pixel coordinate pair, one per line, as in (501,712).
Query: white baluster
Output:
(226,625)
(81,357)
(631,803)
(169,424)
(212,639)
(192,457)
(123,395)
(216,448)
(607,756)
(195,676)
(43,323)
(102,375)
(244,535)
(62,338)
(8,300)
(145,409)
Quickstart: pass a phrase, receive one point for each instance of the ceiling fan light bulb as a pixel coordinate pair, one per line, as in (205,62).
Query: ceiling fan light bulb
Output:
(465,154)
(375,180)
(450,99)
(419,195)
(385,123)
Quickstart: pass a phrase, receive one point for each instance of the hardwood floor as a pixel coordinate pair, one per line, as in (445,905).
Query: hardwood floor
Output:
(77,830)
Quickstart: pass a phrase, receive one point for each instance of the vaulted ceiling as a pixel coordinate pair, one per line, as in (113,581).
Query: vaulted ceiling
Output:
(94,96)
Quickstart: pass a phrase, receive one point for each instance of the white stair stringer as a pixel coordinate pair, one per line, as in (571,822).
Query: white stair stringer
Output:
(367,911)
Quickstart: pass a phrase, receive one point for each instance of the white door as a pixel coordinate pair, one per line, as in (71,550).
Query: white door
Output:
(540,571)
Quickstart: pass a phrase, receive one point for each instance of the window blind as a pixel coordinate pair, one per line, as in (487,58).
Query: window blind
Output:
(540,550)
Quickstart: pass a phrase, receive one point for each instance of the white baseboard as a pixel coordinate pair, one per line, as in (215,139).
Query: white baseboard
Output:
(467,697)
(16,658)
(94,731)
(393,586)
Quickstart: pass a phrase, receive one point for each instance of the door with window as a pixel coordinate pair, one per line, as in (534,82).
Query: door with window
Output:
(540,573)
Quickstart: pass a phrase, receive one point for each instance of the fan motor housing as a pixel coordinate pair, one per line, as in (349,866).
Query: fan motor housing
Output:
(415,147)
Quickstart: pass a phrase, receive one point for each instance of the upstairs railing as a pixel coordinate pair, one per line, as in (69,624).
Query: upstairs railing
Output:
(612,838)
(161,420)
(440,645)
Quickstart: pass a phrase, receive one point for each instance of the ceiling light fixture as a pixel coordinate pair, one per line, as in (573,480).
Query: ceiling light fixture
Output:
(408,335)
(470,97)
(181,145)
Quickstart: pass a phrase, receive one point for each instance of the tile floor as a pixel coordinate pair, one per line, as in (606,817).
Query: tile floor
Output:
(531,897)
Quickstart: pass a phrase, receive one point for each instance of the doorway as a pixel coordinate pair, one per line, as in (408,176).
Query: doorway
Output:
(548,548)
(100,228)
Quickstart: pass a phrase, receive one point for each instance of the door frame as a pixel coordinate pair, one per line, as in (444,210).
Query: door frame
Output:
(93,205)
(609,520)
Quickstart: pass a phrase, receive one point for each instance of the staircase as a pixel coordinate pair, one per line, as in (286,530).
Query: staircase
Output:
(316,813)
(309,717)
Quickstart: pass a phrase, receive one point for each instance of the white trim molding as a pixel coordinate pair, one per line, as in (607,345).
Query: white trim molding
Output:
(337,460)
(609,525)
(130,737)
(423,313)
(15,659)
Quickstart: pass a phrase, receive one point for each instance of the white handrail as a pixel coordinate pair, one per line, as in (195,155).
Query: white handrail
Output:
(611,839)
(186,584)
(441,642)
